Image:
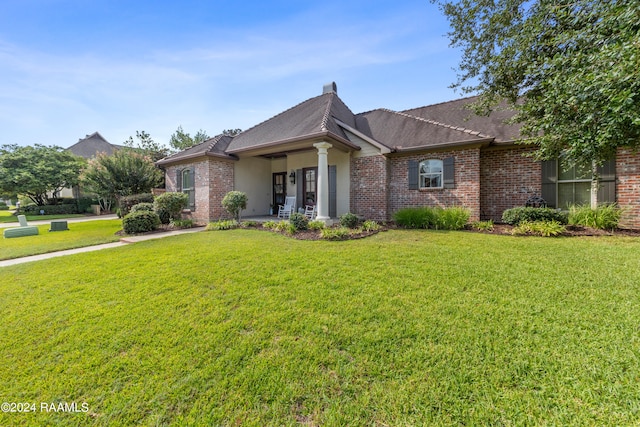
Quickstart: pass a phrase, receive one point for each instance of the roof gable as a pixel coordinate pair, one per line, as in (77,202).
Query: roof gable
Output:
(91,145)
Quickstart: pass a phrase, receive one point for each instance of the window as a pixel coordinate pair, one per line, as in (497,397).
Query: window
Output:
(309,185)
(430,174)
(564,185)
(186,184)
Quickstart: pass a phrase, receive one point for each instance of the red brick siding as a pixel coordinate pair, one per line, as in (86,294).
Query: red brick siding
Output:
(507,179)
(368,194)
(467,183)
(628,187)
(221,182)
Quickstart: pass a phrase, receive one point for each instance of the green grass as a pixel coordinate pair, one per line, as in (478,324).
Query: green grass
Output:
(80,234)
(404,328)
(6,216)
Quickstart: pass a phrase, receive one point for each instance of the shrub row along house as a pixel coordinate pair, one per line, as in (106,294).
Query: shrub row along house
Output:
(375,163)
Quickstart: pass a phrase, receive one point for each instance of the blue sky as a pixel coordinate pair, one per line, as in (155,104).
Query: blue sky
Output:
(69,68)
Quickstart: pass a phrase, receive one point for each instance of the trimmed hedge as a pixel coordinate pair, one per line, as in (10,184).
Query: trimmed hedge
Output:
(169,206)
(49,209)
(515,216)
(140,222)
(127,202)
(142,207)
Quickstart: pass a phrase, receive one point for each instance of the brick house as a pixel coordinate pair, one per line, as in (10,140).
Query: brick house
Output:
(377,162)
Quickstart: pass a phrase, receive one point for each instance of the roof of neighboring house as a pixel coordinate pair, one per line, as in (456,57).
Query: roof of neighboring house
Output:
(447,124)
(215,146)
(91,145)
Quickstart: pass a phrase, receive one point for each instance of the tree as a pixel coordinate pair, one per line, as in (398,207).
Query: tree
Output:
(571,70)
(180,140)
(147,146)
(124,173)
(38,172)
(234,202)
(231,132)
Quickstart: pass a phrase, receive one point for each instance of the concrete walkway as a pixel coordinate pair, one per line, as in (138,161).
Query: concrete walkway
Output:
(122,242)
(69,220)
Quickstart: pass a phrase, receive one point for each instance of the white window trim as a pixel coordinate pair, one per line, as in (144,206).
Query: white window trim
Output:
(421,174)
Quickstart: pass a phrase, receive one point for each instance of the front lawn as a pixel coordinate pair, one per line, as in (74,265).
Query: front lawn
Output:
(403,328)
(7,216)
(80,234)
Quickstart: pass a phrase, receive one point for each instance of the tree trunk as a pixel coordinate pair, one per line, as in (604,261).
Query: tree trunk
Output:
(595,185)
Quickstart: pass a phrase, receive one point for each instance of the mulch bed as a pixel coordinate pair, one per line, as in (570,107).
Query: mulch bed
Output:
(572,231)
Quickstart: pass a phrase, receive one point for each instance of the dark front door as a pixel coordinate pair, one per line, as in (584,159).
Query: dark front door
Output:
(279,189)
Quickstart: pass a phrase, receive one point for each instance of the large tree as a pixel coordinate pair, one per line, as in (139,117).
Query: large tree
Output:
(147,146)
(38,172)
(181,140)
(124,173)
(570,68)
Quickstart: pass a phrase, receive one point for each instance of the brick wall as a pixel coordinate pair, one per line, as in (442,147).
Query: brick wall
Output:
(369,179)
(221,182)
(628,187)
(467,183)
(507,179)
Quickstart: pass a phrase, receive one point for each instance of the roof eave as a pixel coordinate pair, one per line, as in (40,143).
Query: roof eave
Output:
(168,160)
(482,143)
(312,136)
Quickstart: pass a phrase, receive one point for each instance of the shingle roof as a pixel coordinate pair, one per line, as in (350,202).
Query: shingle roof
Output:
(455,113)
(311,117)
(215,146)
(91,145)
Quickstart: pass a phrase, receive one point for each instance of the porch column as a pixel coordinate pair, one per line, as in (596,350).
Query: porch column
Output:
(323,182)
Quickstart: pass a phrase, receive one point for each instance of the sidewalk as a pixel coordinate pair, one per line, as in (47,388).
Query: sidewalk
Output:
(124,241)
(69,220)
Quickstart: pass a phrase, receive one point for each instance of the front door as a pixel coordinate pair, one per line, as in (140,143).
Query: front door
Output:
(279,189)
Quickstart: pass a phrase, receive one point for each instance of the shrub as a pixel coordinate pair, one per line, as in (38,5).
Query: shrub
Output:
(234,202)
(299,221)
(3,206)
(140,222)
(169,206)
(340,233)
(349,220)
(49,209)
(227,224)
(316,225)
(127,202)
(482,225)
(415,218)
(181,223)
(282,226)
(271,225)
(142,207)
(248,224)
(370,226)
(515,216)
(604,217)
(539,228)
(453,218)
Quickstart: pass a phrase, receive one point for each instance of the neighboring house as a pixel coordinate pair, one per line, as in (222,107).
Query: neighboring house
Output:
(375,163)
(88,147)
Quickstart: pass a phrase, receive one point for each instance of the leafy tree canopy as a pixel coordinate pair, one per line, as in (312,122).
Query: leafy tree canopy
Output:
(180,140)
(570,68)
(147,146)
(231,132)
(124,173)
(38,172)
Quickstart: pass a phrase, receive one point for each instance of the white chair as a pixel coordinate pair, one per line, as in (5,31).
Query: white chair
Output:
(310,212)
(285,211)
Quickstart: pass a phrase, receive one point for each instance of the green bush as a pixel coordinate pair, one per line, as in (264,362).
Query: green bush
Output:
(370,226)
(539,228)
(349,220)
(453,218)
(142,207)
(227,224)
(181,223)
(3,206)
(299,221)
(234,202)
(515,216)
(604,217)
(169,206)
(271,225)
(482,225)
(340,233)
(249,224)
(127,202)
(49,209)
(316,225)
(140,222)
(415,218)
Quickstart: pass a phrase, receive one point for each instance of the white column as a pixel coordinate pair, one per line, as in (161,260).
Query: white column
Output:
(323,182)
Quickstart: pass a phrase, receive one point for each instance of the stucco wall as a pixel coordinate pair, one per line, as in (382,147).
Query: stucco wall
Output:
(253,177)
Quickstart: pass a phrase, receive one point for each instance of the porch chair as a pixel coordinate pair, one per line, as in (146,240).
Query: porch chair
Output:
(310,212)
(285,211)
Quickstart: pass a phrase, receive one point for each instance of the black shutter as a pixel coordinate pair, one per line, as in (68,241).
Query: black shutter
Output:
(333,210)
(178,180)
(607,190)
(299,190)
(549,180)
(192,193)
(448,172)
(413,174)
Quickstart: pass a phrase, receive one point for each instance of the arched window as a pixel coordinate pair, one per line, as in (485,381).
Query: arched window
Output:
(430,173)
